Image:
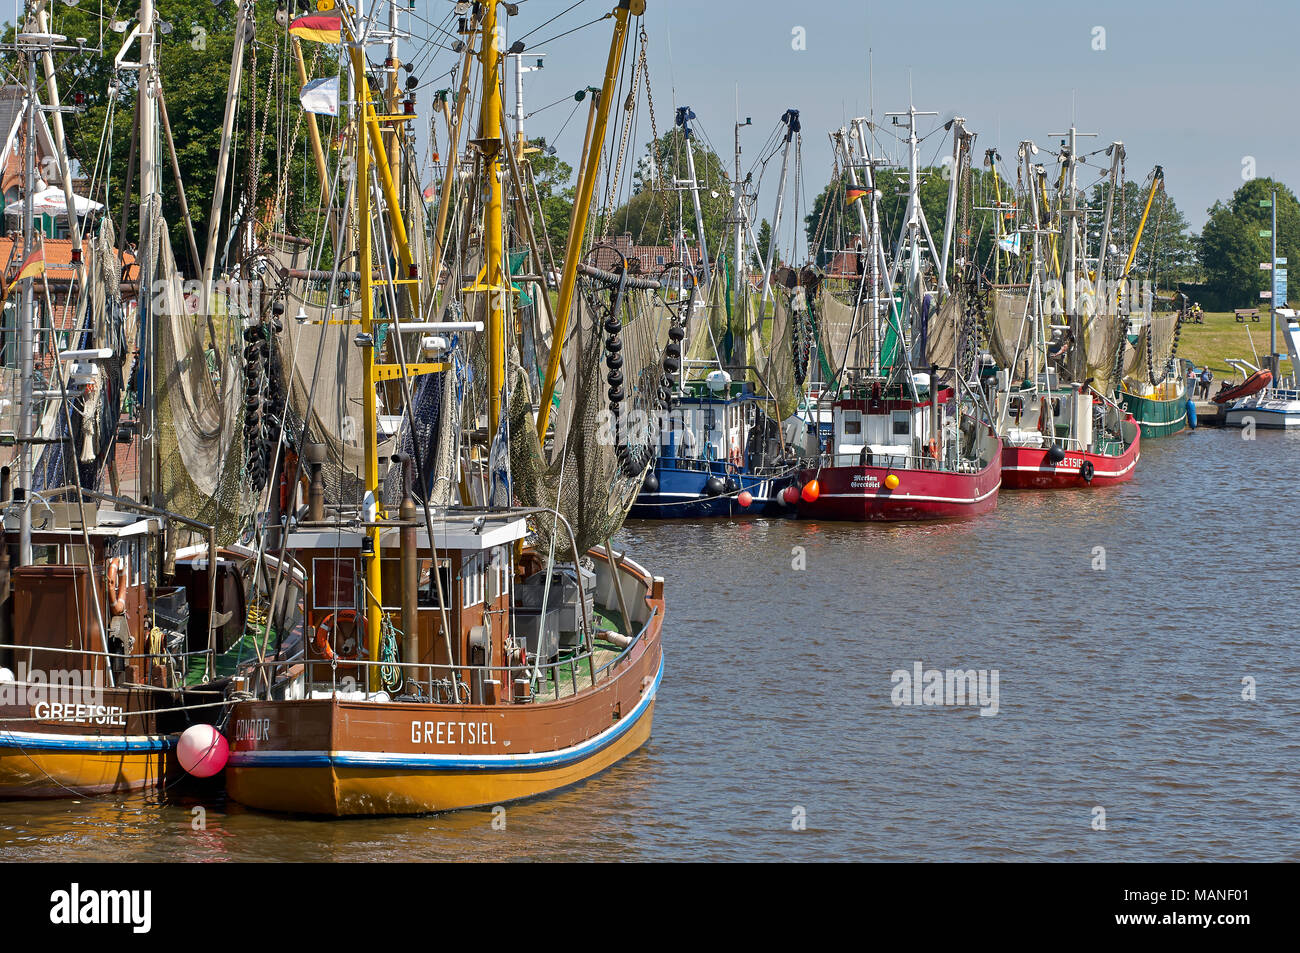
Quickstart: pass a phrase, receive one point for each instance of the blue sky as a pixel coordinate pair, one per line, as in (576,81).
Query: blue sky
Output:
(1196,86)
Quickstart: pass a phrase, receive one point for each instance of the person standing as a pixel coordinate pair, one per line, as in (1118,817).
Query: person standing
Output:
(1207,376)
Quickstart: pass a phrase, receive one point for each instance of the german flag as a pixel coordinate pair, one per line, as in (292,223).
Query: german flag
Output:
(33,267)
(319,28)
(853,193)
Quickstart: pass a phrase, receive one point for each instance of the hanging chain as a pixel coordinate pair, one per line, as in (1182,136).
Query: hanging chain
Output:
(629,105)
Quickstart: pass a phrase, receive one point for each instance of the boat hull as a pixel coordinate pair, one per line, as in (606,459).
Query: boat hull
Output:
(339,758)
(1266,415)
(84,743)
(682,495)
(1028,468)
(858,493)
(1157,418)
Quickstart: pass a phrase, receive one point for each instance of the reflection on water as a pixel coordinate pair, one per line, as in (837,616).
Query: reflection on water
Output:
(1120,689)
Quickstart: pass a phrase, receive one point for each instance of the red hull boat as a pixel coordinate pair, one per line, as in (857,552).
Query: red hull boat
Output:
(1251,385)
(1030,468)
(860,493)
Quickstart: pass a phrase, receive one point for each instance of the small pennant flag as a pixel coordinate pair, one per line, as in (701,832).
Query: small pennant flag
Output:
(321,96)
(319,28)
(853,193)
(428,193)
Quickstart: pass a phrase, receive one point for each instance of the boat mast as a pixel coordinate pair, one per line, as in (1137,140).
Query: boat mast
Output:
(145,116)
(1073,237)
(791,120)
(739,351)
(493,267)
(879,265)
(27,323)
(684,116)
(582,205)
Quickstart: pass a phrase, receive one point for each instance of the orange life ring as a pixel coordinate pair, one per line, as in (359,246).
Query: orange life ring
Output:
(735,458)
(934,448)
(116,584)
(358,647)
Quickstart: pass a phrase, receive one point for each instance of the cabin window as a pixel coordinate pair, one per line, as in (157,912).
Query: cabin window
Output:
(901,425)
(472,580)
(429,584)
(45,555)
(499,571)
(852,426)
(334,583)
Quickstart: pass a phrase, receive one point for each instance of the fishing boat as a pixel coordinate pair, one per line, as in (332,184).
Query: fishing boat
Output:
(106,642)
(1059,427)
(904,444)
(722,449)
(449,655)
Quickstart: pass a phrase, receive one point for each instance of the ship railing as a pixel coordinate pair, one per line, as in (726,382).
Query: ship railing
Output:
(12,654)
(897,461)
(440,683)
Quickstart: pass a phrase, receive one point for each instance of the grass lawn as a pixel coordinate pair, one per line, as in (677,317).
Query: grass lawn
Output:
(1222,337)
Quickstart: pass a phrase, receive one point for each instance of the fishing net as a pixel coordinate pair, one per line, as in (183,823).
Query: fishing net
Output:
(942,333)
(585,476)
(835,325)
(1009,332)
(103,323)
(705,328)
(314,351)
(198,399)
(780,374)
(1103,335)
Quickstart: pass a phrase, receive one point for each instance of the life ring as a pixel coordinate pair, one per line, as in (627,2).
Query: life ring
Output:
(116,584)
(351,649)
(934,448)
(734,458)
(1087,470)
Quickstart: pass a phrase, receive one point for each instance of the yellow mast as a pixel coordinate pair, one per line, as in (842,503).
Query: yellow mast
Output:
(1157,178)
(494,283)
(374,582)
(586,186)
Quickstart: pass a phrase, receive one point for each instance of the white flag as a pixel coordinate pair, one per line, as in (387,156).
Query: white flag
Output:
(321,96)
(1010,243)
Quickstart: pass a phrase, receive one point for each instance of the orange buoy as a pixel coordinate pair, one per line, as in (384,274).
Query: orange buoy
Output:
(891,481)
(811,491)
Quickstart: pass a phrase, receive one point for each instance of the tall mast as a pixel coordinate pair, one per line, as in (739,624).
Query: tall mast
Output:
(879,265)
(684,116)
(494,270)
(1073,237)
(27,323)
(582,205)
(791,120)
(739,350)
(145,116)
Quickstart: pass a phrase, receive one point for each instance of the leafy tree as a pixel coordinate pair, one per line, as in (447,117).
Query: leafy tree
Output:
(194,66)
(1231,248)
(765,242)
(552,175)
(643,214)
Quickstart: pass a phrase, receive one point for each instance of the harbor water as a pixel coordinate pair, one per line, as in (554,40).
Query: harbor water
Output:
(1143,639)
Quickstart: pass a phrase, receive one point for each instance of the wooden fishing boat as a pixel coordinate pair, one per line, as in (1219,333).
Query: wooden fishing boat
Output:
(525,704)
(436,655)
(95,659)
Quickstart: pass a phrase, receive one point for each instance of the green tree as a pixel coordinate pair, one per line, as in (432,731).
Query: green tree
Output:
(765,242)
(552,175)
(665,161)
(1231,247)
(193,61)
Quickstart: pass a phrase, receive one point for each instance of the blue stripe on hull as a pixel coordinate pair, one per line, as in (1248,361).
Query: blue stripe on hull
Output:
(681,495)
(433,762)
